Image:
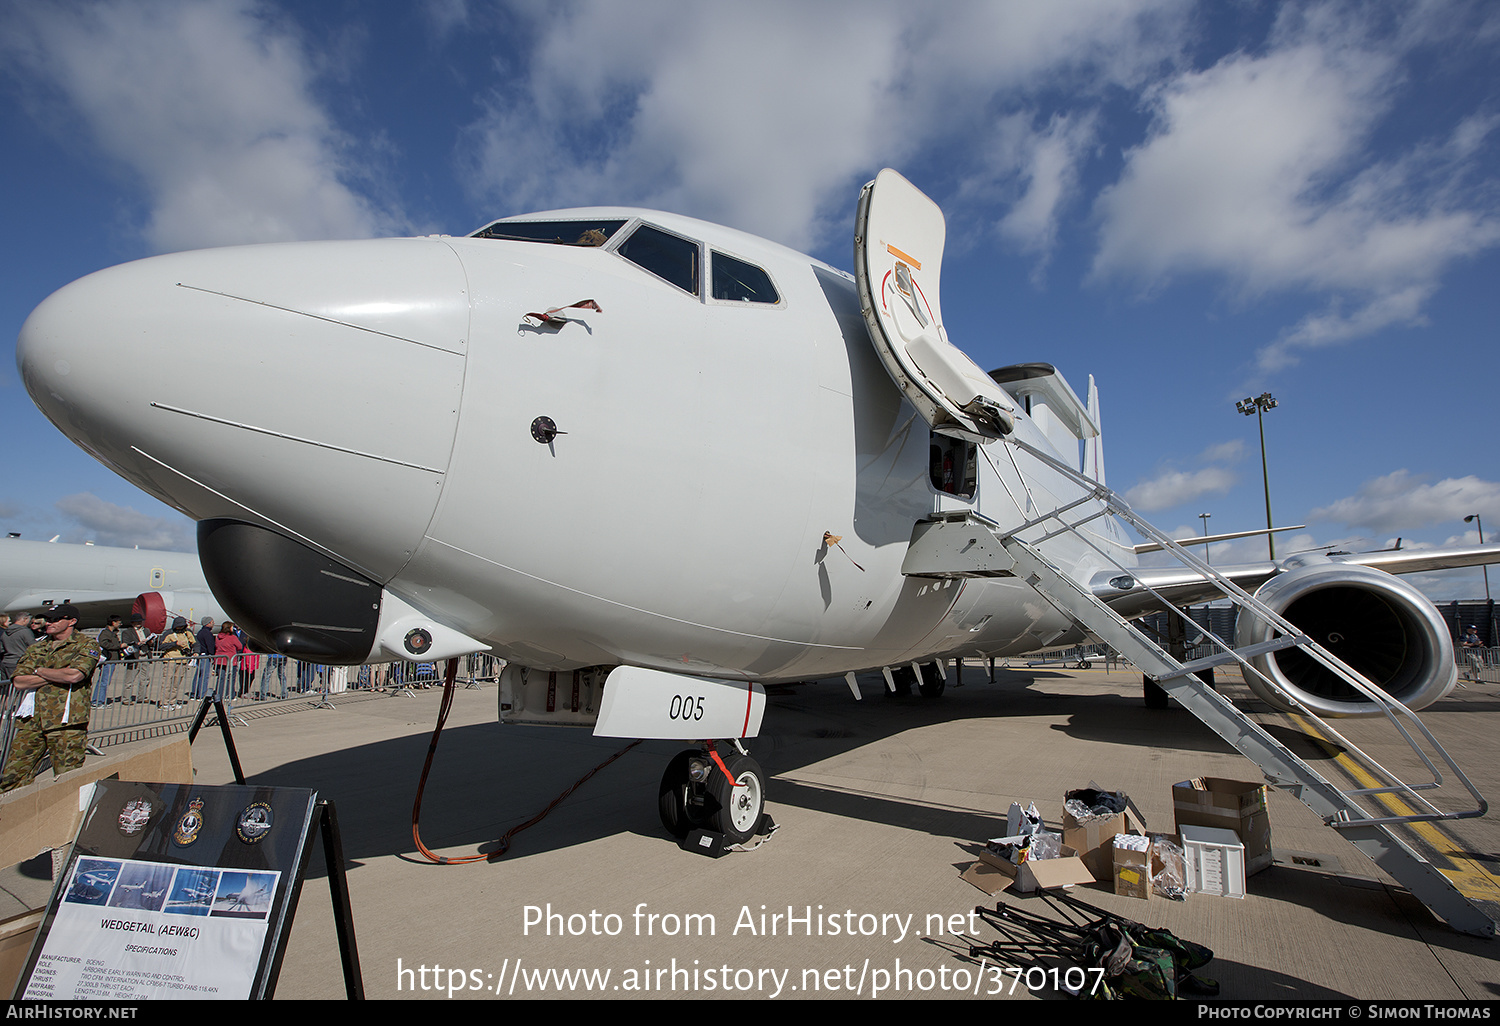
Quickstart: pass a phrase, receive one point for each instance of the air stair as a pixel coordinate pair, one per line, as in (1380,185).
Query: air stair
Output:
(1018,552)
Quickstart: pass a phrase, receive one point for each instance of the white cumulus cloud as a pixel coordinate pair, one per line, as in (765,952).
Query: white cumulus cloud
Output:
(1259,169)
(1171,487)
(767,116)
(209,103)
(1401,501)
(106,523)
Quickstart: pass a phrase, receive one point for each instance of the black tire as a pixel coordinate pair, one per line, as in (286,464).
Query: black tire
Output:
(933,682)
(1156,695)
(677,815)
(738,807)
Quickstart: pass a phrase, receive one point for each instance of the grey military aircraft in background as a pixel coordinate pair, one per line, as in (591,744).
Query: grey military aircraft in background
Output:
(102,580)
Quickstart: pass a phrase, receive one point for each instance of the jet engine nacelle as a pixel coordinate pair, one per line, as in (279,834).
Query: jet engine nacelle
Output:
(1376,623)
(159,608)
(152,607)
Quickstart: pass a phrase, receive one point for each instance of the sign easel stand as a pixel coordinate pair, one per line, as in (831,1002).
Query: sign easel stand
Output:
(333,855)
(222,715)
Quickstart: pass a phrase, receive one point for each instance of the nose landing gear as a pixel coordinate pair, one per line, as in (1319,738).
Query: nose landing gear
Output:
(701,790)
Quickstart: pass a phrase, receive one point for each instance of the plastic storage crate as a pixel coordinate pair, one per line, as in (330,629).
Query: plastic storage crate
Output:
(1215,861)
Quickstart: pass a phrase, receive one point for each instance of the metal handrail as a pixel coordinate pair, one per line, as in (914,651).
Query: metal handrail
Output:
(1393,709)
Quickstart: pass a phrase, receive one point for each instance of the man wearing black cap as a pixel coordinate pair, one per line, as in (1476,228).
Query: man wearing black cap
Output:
(1474,650)
(53,716)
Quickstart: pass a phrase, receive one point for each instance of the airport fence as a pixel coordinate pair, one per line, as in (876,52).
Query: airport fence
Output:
(134,699)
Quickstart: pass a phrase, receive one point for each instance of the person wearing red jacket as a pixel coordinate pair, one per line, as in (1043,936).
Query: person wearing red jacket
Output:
(227,648)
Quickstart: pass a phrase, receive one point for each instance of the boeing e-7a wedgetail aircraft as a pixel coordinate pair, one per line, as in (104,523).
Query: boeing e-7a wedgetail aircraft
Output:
(653,463)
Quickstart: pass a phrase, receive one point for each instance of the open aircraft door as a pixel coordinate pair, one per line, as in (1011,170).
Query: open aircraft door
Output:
(898,258)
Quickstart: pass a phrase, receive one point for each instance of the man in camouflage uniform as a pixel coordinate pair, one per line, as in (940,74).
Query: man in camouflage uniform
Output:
(56,672)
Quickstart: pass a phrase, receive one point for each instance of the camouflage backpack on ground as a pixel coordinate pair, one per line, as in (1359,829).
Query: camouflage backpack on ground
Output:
(1144,963)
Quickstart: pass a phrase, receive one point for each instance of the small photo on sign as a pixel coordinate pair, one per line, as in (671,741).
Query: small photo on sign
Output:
(245,895)
(192,892)
(142,885)
(93,879)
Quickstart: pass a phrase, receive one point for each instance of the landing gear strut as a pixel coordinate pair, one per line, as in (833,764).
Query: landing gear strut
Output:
(696,794)
(1177,621)
(934,681)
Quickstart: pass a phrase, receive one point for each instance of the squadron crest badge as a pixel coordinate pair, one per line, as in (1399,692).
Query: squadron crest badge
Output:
(254,822)
(189,825)
(134,816)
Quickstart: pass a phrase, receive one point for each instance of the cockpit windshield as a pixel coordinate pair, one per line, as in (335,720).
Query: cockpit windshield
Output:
(558,233)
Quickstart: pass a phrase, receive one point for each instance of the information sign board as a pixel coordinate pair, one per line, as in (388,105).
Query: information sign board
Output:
(174,891)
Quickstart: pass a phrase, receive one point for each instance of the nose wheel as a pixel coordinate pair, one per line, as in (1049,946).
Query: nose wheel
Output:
(696,794)
(740,803)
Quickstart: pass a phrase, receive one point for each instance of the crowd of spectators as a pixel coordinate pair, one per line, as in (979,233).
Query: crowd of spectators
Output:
(52,677)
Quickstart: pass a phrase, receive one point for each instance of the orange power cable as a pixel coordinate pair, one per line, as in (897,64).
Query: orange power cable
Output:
(449,679)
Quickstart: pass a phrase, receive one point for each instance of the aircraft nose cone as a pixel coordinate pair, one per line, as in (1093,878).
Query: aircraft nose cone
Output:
(254,383)
(67,355)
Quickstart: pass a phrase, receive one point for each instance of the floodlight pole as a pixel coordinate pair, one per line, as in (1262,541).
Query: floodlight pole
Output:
(1475,517)
(1206,557)
(1258,405)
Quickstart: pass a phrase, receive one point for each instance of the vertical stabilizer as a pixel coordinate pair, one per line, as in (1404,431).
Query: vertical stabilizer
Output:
(1093,448)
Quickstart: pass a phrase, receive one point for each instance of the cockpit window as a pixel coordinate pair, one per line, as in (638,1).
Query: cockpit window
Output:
(559,233)
(670,257)
(736,280)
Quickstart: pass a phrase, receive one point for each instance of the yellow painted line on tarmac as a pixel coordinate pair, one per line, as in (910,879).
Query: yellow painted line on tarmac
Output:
(1472,879)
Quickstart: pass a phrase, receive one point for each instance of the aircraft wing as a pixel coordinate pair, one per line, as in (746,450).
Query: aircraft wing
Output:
(1178,585)
(1181,586)
(1419,561)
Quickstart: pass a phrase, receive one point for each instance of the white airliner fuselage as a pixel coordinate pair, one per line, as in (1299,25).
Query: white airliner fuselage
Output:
(375,401)
(672,458)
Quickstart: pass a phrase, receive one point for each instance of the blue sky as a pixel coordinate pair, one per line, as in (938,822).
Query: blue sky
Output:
(1194,202)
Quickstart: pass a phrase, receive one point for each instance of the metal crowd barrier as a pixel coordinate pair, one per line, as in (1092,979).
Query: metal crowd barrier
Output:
(132,699)
(1478,665)
(1079,657)
(140,698)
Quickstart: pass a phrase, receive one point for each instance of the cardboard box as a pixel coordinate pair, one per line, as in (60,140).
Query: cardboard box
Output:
(1095,840)
(1223,804)
(986,877)
(1034,874)
(44,815)
(1132,872)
